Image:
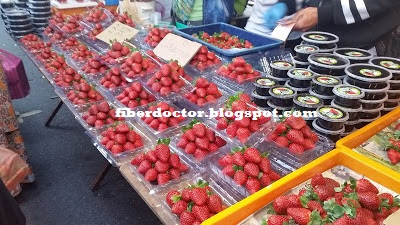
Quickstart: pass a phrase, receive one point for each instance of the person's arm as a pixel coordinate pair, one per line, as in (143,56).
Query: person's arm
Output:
(342,12)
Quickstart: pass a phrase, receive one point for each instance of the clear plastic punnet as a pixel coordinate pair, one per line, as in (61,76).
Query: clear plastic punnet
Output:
(98,15)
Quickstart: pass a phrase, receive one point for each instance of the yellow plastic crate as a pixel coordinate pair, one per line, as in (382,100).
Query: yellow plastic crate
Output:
(347,158)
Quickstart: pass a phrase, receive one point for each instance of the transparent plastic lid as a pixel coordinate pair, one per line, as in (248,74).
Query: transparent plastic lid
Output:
(282,92)
(264,82)
(332,114)
(307,101)
(378,109)
(350,123)
(306,49)
(289,85)
(392,64)
(348,91)
(319,37)
(367,72)
(281,65)
(296,61)
(370,120)
(353,53)
(375,101)
(300,74)
(327,60)
(366,91)
(326,80)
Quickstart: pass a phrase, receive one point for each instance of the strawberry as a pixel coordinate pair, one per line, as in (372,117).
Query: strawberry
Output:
(202,143)
(240,177)
(199,130)
(214,204)
(163,152)
(174,161)
(308,144)
(186,194)
(295,136)
(163,178)
(222,124)
(187,218)
(243,134)
(144,167)
(394,156)
(369,200)
(342,221)
(331,183)
(364,185)
(228,170)
(317,179)
(296,148)
(277,220)
(219,142)
(274,176)
(282,141)
(264,180)
(201,212)
(138,159)
(253,185)
(324,192)
(238,159)
(161,167)
(387,196)
(280,128)
(265,165)
(296,122)
(151,175)
(315,205)
(179,207)
(170,195)
(225,160)
(300,215)
(281,204)
(252,155)
(199,196)
(200,154)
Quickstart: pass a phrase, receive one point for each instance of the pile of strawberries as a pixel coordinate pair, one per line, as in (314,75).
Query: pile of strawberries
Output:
(97,29)
(117,51)
(94,66)
(162,123)
(69,78)
(293,133)
(135,95)
(243,128)
(152,55)
(120,138)
(239,70)
(57,19)
(248,168)
(137,65)
(113,79)
(83,93)
(96,16)
(355,202)
(160,165)
(69,44)
(170,78)
(100,114)
(72,25)
(53,62)
(390,142)
(125,19)
(199,140)
(82,54)
(224,40)
(203,92)
(195,203)
(204,59)
(155,36)
(33,43)
(55,36)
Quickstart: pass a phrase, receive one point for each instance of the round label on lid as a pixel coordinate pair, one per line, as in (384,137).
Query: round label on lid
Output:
(317,37)
(301,73)
(306,48)
(327,80)
(283,64)
(308,99)
(390,64)
(332,113)
(354,54)
(370,72)
(327,60)
(282,91)
(347,90)
(265,82)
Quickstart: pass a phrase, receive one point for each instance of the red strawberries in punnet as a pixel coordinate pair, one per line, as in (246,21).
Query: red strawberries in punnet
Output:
(57,19)
(293,133)
(155,36)
(204,59)
(97,29)
(248,168)
(70,44)
(135,95)
(96,16)
(137,65)
(160,165)
(152,55)
(239,70)
(161,122)
(100,114)
(117,51)
(71,25)
(125,19)
(242,128)
(83,93)
(94,66)
(113,79)
(55,63)
(199,140)
(120,138)
(194,203)
(203,92)
(69,78)
(224,40)
(170,78)
(82,54)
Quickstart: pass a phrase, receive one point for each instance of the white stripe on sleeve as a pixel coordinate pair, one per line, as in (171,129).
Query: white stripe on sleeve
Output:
(362,9)
(348,15)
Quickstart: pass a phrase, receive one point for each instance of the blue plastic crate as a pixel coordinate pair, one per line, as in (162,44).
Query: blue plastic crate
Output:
(260,43)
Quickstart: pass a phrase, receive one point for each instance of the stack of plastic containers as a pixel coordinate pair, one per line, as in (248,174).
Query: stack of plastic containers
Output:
(5,5)
(355,55)
(322,87)
(40,11)
(330,122)
(373,81)
(18,22)
(22,4)
(261,93)
(307,103)
(281,98)
(302,53)
(393,65)
(328,64)
(326,42)
(300,80)
(280,68)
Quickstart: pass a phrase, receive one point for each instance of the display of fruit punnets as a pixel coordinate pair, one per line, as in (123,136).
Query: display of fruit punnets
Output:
(135,95)
(71,25)
(248,168)
(117,52)
(224,40)
(170,78)
(160,165)
(194,203)
(96,15)
(34,43)
(199,140)
(239,71)
(70,44)
(203,92)
(82,54)
(69,78)
(113,78)
(94,67)
(326,201)
(240,128)
(83,93)
(97,29)
(204,59)
(155,35)
(162,123)
(294,134)
(120,137)
(99,114)
(125,19)
(137,65)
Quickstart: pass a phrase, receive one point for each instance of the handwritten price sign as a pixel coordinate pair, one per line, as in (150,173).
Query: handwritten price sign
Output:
(174,47)
(117,31)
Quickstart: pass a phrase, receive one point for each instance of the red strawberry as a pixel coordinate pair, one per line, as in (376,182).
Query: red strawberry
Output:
(274,176)
(170,195)
(199,196)
(281,204)
(231,130)
(394,156)
(138,159)
(252,155)
(174,160)
(174,173)
(296,148)
(265,165)
(342,221)
(186,194)
(387,196)
(277,220)
(369,200)
(163,178)
(200,154)
(220,142)
(238,159)
(282,141)
(253,185)
(122,128)
(202,143)
(225,160)
(161,167)
(243,134)
(308,144)
(201,212)
(151,175)
(144,166)
(187,218)
(240,177)
(296,122)
(251,169)
(222,124)
(179,207)
(364,185)
(317,179)
(264,180)
(314,205)
(228,170)
(280,128)
(295,136)
(214,204)
(324,192)
(300,215)
(331,183)
(163,152)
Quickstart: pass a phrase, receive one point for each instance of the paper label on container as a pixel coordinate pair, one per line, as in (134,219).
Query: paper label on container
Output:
(174,47)
(117,32)
(281,32)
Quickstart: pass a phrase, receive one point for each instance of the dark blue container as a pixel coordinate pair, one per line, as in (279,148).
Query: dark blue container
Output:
(260,43)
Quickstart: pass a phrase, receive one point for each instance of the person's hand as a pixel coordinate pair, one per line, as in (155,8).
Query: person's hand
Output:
(304,19)
(275,13)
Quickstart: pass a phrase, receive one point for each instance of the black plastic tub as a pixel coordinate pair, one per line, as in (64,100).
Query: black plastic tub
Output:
(391,64)
(39,9)
(280,68)
(282,96)
(304,50)
(324,84)
(333,135)
(19,22)
(355,55)
(260,100)
(41,14)
(263,85)
(348,96)
(17,14)
(298,90)
(307,102)
(40,3)
(300,64)
(279,80)
(328,64)
(371,113)
(300,78)
(325,98)
(350,126)
(331,118)
(6,5)
(391,104)
(353,112)
(393,94)
(368,76)
(373,104)
(323,40)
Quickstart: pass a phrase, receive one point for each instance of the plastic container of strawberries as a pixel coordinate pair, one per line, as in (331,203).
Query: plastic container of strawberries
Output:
(106,22)
(62,93)
(118,159)
(147,73)
(138,40)
(241,191)
(223,192)
(155,188)
(118,61)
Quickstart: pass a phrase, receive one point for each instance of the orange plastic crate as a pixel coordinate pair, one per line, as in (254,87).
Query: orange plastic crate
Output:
(347,158)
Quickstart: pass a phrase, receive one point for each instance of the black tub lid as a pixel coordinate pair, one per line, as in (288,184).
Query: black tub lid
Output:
(367,72)
(300,74)
(281,65)
(319,37)
(391,64)
(348,91)
(282,92)
(353,53)
(326,80)
(306,49)
(332,114)
(264,82)
(327,60)
(307,101)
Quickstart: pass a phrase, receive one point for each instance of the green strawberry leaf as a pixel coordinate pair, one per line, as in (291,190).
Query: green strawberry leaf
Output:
(176,198)
(236,168)
(315,218)
(396,201)
(270,210)
(165,141)
(353,184)
(352,195)
(190,206)
(264,222)
(265,154)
